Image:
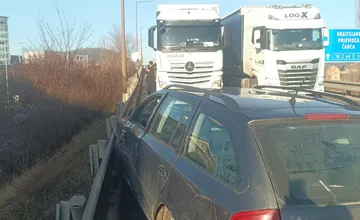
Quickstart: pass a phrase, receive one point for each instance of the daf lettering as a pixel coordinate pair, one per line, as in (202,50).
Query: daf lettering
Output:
(297,15)
(298,67)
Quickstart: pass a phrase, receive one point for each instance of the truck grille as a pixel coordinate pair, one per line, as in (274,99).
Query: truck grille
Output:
(200,75)
(189,78)
(199,66)
(293,78)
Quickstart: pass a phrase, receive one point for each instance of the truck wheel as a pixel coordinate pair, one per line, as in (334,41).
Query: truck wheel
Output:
(245,83)
(164,214)
(253,82)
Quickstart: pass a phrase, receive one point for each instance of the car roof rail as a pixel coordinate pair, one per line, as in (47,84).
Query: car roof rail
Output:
(211,94)
(314,93)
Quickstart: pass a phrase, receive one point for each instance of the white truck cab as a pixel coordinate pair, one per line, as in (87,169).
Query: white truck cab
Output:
(278,45)
(188,45)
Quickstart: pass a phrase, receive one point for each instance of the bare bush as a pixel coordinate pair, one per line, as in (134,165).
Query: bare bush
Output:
(57,96)
(36,129)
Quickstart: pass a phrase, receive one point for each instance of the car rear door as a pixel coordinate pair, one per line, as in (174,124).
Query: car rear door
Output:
(160,146)
(210,175)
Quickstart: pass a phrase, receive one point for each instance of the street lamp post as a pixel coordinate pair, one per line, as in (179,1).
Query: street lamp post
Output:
(141,47)
(137,39)
(7,79)
(6,73)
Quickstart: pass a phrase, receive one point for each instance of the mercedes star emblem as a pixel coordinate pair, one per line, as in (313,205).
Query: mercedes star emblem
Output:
(189,66)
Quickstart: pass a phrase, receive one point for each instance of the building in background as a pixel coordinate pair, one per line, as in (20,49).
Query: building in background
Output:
(4,41)
(84,57)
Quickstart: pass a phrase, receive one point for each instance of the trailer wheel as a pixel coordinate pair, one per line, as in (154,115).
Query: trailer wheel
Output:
(245,83)
(164,214)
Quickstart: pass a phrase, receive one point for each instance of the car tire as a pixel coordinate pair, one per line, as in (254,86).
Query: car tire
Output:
(164,214)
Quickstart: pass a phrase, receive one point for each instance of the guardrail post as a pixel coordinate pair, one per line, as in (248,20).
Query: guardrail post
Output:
(94,159)
(125,97)
(63,210)
(77,205)
(108,127)
(119,108)
(113,120)
(102,146)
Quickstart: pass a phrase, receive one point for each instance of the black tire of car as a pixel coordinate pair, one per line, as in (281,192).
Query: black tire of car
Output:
(164,214)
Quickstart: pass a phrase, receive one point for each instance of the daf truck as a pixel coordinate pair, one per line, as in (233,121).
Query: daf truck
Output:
(188,44)
(275,45)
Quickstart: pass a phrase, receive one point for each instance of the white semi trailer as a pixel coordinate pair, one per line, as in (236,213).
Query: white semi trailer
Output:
(188,45)
(276,45)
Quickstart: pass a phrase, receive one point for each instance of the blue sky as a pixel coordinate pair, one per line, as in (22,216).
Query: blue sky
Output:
(103,15)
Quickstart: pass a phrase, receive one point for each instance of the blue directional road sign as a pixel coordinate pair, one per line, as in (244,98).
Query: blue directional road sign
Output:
(344,46)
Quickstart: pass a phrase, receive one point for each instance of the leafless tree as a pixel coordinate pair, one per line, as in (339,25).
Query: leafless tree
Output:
(66,35)
(113,41)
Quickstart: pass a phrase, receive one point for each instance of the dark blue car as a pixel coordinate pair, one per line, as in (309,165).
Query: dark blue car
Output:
(243,154)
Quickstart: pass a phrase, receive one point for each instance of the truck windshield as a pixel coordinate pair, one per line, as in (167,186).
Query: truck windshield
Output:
(296,39)
(190,36)
(315,162)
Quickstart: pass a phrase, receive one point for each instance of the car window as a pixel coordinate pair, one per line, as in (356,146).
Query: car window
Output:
(166,121)
(144,113)
(211,147)
(313,161)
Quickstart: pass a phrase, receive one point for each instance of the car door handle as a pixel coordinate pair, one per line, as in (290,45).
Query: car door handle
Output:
(162,170)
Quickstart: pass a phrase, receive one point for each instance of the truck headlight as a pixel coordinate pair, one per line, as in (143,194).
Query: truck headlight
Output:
(217,83)
(162,84)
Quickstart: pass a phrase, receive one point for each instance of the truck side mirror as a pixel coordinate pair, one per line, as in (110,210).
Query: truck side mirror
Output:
(151,37)
(326,39)
(257,35)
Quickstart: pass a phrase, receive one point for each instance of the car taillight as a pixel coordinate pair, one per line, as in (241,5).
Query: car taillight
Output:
(267,214)
(322,117)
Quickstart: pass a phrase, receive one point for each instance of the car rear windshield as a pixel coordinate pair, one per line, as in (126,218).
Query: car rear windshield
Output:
(312,162)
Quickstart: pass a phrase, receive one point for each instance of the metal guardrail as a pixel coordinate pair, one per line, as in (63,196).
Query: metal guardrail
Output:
(346,86)
(77,207)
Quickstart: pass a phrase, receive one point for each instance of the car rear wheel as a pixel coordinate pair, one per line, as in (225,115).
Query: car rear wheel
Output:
(164,214)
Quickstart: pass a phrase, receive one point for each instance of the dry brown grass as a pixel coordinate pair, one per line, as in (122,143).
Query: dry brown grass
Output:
(65,98)
(33,195)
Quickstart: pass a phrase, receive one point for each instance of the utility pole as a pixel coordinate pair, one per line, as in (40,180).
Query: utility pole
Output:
(123,45)
(137,38)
